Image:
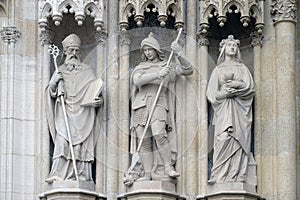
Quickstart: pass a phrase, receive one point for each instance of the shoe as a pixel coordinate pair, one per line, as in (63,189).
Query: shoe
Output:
(52,179)
(144,178)
(173,174)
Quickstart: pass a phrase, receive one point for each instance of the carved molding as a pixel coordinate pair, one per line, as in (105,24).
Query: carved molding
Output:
(10,34)
(137,8)
(282,10)
(80,8)
(219,9)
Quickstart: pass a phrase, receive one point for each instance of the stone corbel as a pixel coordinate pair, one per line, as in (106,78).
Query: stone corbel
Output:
(10,34)
(283,10)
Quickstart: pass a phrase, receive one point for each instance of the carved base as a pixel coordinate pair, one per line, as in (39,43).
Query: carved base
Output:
(71,190)
(231,187)
(231,191)
(145,190)
(231,197)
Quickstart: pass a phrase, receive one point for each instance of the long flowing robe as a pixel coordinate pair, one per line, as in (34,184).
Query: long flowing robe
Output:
(232,120)
(83,122)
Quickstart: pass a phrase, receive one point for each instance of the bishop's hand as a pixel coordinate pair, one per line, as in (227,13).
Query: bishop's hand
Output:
(56,77)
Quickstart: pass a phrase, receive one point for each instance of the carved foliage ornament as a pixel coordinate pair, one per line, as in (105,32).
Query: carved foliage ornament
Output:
(283,10)
(80,8)
(10,34)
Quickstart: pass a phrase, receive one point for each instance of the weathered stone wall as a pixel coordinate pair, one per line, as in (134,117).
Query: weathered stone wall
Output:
(25,70)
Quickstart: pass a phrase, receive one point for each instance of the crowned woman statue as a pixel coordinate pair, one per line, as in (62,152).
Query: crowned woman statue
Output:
(230,91)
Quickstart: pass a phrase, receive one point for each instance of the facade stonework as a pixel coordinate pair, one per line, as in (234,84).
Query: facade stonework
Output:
(116,37)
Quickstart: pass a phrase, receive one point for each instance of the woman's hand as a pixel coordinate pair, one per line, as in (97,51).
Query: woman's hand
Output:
(97,102)
(234,84)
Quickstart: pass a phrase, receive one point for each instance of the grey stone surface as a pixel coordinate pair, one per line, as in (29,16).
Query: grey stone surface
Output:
(230,91)
(153,125)
(71,97)
(151,190)
(25,65)
(71,190)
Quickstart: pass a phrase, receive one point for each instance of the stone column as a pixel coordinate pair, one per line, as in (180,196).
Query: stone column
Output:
(258,106)
(124,107)
(284,22)
(43,136)
(112,101)
(101,143)
(203,44)
(9,36)
(191,131)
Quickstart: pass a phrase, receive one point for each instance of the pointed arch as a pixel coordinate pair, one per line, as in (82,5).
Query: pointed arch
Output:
(46,11)
(239,6)
(63,7)
(2,11)
(157,5)
(208,12)
(126,11)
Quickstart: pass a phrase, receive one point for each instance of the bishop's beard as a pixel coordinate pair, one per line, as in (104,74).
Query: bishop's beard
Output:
(72,63)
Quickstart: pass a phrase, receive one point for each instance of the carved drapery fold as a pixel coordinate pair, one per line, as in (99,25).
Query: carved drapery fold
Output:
(137,8)
(219,8)
(10,34)
(80,8)
(283,10)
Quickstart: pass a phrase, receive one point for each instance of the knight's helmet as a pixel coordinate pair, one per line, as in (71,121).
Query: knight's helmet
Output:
(151,42)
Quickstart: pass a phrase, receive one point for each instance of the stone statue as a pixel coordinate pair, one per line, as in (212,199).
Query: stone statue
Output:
(230,91)
(158,148)
(81,92)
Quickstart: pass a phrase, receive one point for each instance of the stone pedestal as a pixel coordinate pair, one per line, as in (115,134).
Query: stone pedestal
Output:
(231,191)
(235,196)
(146,190)
(71,190)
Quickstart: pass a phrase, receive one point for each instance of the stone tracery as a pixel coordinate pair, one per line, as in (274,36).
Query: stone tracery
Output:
(137,8)
(80,9)
(247,8)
